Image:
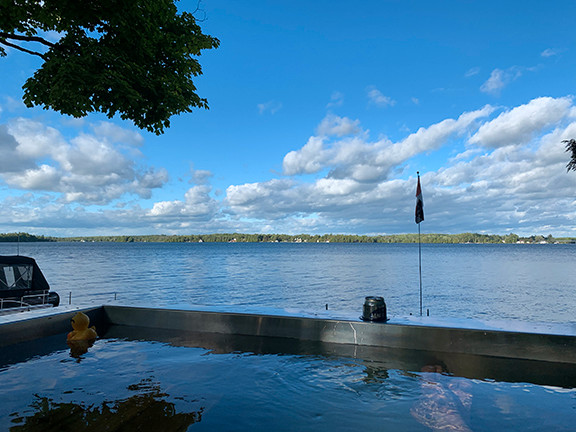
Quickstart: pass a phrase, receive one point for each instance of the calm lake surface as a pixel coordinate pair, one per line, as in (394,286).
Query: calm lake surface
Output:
(521,282)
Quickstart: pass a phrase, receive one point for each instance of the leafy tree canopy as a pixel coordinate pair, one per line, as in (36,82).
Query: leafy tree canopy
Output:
(136,58)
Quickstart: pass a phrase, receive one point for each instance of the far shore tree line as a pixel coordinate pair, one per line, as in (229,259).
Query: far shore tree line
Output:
(463,238)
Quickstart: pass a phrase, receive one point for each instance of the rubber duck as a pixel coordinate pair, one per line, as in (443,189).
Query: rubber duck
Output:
(80,323)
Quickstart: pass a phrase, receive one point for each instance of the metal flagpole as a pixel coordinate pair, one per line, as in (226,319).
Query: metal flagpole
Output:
(419,217)
(420,266)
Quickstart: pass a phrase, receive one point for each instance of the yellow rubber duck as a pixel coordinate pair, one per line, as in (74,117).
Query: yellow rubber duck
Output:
(80,323)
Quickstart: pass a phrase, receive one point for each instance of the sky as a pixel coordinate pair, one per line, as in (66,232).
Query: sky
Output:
(321,114)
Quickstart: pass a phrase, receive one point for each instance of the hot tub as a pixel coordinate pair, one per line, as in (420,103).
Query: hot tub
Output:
(159,369)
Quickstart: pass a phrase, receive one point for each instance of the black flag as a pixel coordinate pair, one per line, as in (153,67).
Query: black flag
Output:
(419,204)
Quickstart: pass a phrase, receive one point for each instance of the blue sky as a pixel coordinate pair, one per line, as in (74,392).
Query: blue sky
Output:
(321,113)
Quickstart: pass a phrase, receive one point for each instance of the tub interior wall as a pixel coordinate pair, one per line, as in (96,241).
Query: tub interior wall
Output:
(394,347)
(46,326)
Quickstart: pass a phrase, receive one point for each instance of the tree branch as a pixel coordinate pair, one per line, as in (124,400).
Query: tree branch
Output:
(199,10)
(38,39)
(571,148)
(19,48)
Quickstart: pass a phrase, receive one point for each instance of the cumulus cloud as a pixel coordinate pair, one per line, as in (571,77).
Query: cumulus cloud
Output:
(309,159)
(247,194)
(197,204)
(433,137)
(331,186)
(365,161)
(508,189)
(508,174)
(13,159)
(490,187)
(201,176)
(518,125)
(332,125)
(44,177)
(116,134)
(89,168)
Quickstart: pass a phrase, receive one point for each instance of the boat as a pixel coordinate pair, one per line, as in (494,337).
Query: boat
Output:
(23,286)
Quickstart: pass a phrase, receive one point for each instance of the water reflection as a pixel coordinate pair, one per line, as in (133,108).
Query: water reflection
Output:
(78,348)
(375,375)
(445,403)
(147,410)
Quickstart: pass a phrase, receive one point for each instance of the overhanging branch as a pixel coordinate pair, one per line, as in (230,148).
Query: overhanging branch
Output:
(19,48)
(571,148)
(4,35)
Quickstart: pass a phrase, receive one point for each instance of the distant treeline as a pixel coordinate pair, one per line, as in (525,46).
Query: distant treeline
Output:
(24,237)
(302,238)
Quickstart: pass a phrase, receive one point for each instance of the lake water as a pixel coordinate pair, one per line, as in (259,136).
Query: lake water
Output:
(518,282)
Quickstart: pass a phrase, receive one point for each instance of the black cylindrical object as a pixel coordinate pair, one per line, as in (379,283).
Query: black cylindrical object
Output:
(374,309)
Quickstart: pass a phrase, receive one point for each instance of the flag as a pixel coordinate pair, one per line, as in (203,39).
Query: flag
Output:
(419,203)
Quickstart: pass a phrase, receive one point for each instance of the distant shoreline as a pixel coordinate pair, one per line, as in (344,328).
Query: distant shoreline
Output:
(464,238)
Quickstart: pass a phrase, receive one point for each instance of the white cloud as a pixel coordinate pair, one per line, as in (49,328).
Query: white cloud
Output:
(336,100)
(44,178)
(549,52)
(89,155)
(358,185)
(197,204)
(431,138)
(517,126)
(376,97)
(331,186)
(486,188)
(201,176)
(332,125)
(508,189)
(87,168)
(247,194)
(366,161)
(499,79)
(116,134)
(168,208)
(472,72)
(309,159)
(12,157)
(34,139)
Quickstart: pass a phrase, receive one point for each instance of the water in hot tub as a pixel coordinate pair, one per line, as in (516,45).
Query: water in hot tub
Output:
(122,384)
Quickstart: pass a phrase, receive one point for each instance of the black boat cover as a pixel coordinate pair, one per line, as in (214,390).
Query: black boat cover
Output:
(20,273)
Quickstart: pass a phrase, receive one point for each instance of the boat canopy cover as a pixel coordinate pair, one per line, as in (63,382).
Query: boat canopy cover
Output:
(21,273)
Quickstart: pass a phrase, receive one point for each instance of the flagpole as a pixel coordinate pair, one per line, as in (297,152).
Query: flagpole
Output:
(420,266)
(419,217)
